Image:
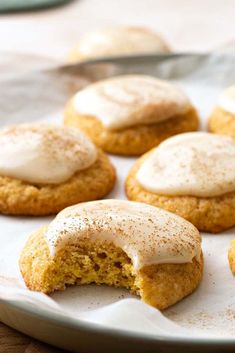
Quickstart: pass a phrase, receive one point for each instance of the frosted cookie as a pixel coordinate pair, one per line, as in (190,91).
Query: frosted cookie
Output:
(231,256)
(153,253)
(222,119)
(128,115)
(118,41)
(45,168)
(192,175)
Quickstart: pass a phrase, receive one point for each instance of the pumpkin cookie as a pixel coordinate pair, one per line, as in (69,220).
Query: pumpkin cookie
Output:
(153,253)
(45,168)
(231,256)
(192,175)
(118,41)
(222,119)
(128,115)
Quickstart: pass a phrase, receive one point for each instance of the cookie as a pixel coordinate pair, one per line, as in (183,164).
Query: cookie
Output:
(222,119)
(128,115)
(231,256)
(153,253)
(192,175)
(45,168)
(118,41)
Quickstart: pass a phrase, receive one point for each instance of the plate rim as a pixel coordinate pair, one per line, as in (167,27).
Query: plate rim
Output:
(78,324)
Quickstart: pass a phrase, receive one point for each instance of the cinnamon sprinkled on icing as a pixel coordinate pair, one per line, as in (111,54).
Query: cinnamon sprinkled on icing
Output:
(199,164)
(147,234)
(42,153)
(227,100)
(125,101)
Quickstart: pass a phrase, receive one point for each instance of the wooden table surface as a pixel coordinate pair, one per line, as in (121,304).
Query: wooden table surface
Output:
(12,341)
(187,25)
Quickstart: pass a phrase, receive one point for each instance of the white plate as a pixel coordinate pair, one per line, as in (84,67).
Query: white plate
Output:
(203,77)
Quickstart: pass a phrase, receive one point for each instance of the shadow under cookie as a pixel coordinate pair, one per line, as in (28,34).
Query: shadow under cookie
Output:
(22,198)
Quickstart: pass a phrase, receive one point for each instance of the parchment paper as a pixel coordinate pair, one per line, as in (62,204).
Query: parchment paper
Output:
(36,88)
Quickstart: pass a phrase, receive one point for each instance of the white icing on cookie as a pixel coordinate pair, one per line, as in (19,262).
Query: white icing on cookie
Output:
(198,164)
(131,100)
(119,41)
(147,234)
(42,153)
